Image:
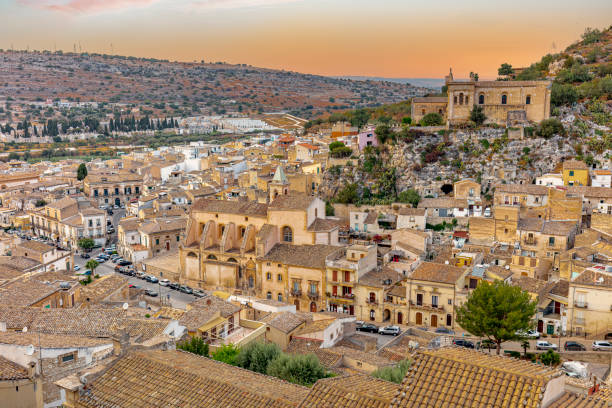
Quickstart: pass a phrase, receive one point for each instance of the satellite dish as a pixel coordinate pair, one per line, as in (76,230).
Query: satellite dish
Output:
(25,329)
(507,267)
(125,306)
(30,350)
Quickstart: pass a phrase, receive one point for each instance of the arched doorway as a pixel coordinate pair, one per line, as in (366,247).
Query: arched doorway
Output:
(434,321)
(117,201)
(313,307)
(386,315)
(297,304)
(419,318)
(251,282)
(400,318)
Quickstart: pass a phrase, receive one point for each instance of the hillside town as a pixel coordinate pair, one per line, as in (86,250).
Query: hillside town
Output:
(207,234)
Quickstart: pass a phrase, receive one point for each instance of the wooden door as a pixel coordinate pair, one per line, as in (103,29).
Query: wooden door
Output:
(419,318)
(400,318)
(434,320)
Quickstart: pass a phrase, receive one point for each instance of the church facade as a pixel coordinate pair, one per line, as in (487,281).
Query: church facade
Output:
(503,102)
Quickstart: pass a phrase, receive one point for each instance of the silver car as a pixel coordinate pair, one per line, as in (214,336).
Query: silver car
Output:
(544,345)
(391,330)
(600,345)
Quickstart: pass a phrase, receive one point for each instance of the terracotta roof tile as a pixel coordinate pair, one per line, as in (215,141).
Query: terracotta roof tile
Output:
(436,272)
(11,371)
(355,391)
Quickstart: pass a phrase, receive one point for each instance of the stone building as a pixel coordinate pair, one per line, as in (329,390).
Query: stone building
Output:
(113,189)
(503,102)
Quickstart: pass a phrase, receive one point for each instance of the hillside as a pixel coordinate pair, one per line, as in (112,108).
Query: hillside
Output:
(181,88)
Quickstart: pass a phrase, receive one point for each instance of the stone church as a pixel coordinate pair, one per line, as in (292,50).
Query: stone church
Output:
(503,102)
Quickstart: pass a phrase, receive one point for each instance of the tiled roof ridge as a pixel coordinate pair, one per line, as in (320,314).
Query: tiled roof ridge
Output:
(545,372)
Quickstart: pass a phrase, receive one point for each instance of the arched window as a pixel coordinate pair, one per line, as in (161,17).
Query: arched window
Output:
(461,99)
(481,99)
(372,315)
(372,297)
(269,295)
(192,255)
(504,99)
(467,99)
(211,256)
(455,99)
(440,111)
(528,100)
(241,230)
(233,260)
(287,234)
(280,297)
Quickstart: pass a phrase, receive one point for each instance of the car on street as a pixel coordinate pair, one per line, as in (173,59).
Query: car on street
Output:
(602,345)
(389,330)
(77,268)
(545,345)
(486,344)
(124,263)
(463,343)
(151,293)
(85,256)
(573,346)
(174,285)
(164,282)
(186,289)
(368,327)
(199,293)
(115,207)
(153,279)
(529,334)
(444,330)
(86,272)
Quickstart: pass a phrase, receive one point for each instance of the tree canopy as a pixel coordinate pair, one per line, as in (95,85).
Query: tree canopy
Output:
(81,171)
(505,69)
(303,369)
(497,311)
(257,356)
(409,196)
(86,243)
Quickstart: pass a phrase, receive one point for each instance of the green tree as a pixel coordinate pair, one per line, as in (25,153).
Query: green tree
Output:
(496,311)
(550,127)
(394,374)
(360,117)
(92,264)
(432,119)
(525,346)
(40,203)
(196,346)
(86,243)
(477,115)
(550,358)
(383,133)
(505,69)
(409,196)
(348,195)
(227,354)
(303,369)
(563,94)
(406,120)
(81,171)
(257,356)
(13,156)
(329,209)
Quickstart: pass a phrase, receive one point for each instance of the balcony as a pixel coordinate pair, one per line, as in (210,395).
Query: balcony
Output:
(581,305)
(296,292)
(429,307)
(313,295)
(373,302)
(530,241)
(349,297)
(579,321)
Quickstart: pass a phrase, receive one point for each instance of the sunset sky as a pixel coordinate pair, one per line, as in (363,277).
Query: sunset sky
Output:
(390,38)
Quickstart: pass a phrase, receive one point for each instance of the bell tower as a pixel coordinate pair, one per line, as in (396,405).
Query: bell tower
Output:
(279,184)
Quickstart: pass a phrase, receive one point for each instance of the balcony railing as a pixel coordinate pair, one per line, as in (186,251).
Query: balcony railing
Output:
(424,306)
(372,302)
(530,241)
(348,296)
(313,295)
(581,305)
(296,292)
(579,320)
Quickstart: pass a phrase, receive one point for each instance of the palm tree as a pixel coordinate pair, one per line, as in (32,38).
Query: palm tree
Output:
(92,264)
(525,346)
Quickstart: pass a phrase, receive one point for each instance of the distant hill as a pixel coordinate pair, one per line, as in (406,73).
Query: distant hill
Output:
(432,83)
(184,88)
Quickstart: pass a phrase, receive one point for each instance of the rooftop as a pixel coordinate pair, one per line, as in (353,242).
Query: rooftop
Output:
(435,272)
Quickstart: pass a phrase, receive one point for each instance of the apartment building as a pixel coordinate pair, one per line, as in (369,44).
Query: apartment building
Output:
(113,189)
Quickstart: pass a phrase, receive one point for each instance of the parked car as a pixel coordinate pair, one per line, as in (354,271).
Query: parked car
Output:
(77,268)
(390,330)
(529,334)
(486,344)
(115,207)
(444,330)
(174,285)
(198,293)
(601,345)
(153,279)
(463,343)
(85,256)
(545,345)
(573,346)
(186,289)
(368,327)
(487,212)
(86,272)
(151,293)
(164,282)
(124,263)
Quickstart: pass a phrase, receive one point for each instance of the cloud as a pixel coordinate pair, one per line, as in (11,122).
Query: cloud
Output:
(84,6)
(230,4)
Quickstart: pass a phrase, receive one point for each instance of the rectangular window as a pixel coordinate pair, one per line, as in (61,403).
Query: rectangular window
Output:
(551,241)
(268,276)
(178,238)
(434,301)
(571,173)
(157,241)
(347,276)
(335,276)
